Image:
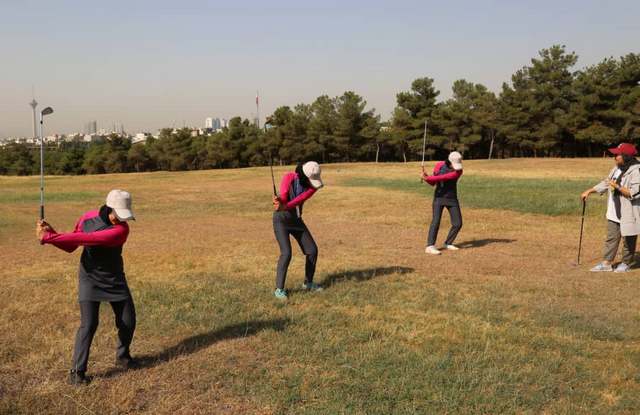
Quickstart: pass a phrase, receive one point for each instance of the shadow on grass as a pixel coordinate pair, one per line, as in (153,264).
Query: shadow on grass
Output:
(198,342)
(477,243)
(365,274)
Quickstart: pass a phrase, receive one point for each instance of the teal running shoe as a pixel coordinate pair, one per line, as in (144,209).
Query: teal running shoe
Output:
(311,286)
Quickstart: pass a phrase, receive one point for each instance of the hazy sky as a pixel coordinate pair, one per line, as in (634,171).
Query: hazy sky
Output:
(150,64)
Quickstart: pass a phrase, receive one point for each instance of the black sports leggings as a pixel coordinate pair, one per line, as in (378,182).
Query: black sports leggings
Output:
(125,314)
(456,221)
(285,224)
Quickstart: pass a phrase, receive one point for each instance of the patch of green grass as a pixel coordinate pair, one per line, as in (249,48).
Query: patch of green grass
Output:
(206,299)
(455,359)
(596,327)
(542,196)
(53,197)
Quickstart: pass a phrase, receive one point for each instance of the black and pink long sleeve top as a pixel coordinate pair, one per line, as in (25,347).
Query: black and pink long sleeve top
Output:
(293,194)
(445,179)
(101,272)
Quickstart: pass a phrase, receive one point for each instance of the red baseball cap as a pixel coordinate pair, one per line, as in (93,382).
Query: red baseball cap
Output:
(624,148)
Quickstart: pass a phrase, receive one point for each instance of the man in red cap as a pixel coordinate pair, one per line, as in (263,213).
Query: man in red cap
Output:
(623,208)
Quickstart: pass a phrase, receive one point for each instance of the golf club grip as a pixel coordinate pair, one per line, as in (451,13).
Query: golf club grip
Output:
(41,212)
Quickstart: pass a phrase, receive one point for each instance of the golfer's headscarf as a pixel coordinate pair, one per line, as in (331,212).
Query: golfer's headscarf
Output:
(104,213)
(304,180)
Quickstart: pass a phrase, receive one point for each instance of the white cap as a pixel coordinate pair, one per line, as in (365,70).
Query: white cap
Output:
(455,159)
(311,169)
(120,202)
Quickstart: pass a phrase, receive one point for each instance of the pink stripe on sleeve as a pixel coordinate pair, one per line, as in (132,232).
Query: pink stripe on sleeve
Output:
(112,237)
(301,198)
(285,185)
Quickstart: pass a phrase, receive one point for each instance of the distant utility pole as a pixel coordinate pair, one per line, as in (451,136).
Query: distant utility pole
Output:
(493,136)
(33,105)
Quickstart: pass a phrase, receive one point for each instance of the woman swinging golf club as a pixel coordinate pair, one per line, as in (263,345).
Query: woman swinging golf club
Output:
(102,233)
(623,208)
(445,179)
(295,188)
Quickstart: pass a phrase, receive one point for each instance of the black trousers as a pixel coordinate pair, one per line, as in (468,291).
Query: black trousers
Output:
(125,315)
(285,224)
(456,221)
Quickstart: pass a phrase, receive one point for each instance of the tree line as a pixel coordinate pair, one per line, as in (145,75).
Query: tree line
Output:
(547,109)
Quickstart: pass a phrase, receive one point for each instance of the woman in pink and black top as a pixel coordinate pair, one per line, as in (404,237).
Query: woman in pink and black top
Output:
(295,189)
(102,233)
(445,179)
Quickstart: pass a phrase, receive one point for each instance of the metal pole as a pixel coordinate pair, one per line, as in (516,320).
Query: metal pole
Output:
(41,169)
(257,109)
(491,146)
(424,143)
(584,207)
(273,179)
(424,148)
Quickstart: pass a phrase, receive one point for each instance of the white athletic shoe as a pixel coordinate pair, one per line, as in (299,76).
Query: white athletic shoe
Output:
(602,267)
(432,250)
(451,248)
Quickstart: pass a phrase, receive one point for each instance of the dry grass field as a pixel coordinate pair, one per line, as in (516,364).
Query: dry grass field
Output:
(506,325)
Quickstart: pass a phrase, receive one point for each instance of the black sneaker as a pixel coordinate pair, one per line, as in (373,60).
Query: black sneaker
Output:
(127,363)
(78,378)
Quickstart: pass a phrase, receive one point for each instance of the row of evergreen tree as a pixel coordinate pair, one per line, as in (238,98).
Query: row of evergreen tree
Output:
(548,109)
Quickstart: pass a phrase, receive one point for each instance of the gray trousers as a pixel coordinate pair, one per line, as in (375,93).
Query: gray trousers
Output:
(456,221)
(613,241)
(285,224)
(125,315)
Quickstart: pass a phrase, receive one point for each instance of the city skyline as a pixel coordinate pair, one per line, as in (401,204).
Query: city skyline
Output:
(153,75)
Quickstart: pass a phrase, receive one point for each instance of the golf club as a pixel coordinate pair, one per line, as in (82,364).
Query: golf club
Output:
(584,207)
(424,146)
(273,179)
(44,112)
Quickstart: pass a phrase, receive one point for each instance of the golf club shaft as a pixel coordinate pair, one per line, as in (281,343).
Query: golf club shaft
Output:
(41,171)
(424,147)
(584,207)
(424,142)
(273,179)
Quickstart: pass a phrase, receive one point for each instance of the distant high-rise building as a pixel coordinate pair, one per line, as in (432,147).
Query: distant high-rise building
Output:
(215,124)
(91,127)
